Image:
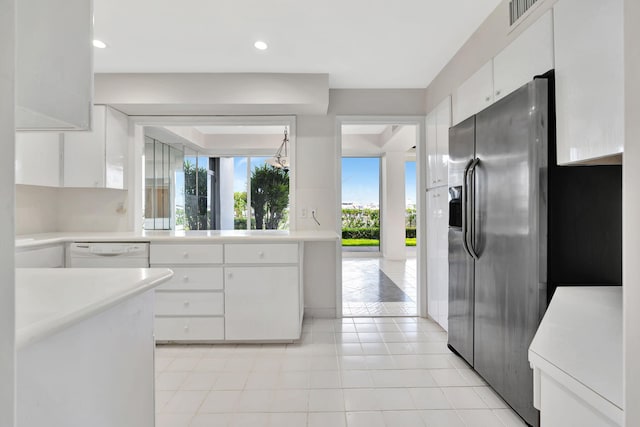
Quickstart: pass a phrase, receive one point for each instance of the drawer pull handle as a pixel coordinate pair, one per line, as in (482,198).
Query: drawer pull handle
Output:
(186,328)
(185,279)
(186,303)
(229,276)
(261,254)
(185,254)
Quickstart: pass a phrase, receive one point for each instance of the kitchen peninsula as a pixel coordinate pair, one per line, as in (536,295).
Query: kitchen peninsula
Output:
(85,346)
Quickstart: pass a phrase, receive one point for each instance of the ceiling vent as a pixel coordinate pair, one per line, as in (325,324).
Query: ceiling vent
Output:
(517,8)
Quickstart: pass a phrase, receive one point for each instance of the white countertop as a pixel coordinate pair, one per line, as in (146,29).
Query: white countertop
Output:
(34,240)
(49,300)
(581,336)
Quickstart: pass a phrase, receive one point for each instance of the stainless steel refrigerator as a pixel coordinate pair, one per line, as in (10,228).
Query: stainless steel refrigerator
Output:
(519,226)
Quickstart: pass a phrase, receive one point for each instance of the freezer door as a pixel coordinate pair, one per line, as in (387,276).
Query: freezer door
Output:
(460,298)
(460,317)
(510,233)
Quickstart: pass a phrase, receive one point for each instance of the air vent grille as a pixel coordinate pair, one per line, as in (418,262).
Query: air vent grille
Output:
(517,8)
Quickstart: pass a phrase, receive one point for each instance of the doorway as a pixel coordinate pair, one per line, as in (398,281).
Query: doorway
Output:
(379,271)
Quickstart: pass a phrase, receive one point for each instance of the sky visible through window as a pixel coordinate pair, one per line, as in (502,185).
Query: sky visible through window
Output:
(361,179)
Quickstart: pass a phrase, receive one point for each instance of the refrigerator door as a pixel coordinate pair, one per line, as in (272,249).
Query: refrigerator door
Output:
(461,153)
(509,237)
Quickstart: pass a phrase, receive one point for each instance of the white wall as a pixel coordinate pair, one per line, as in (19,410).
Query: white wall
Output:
(316,189)
(213,93)
(631,215)
(47,209)
(7,212)
(36,209)
(393,205)
(89,209)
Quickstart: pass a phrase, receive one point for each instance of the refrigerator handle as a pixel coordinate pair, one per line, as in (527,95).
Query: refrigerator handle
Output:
(471,226)
(465,193)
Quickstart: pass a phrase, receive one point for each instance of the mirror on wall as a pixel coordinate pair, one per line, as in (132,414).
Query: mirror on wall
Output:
(223,177)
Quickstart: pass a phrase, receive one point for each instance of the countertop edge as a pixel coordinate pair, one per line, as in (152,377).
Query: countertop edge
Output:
(34,333)
(45,239)
(597,400)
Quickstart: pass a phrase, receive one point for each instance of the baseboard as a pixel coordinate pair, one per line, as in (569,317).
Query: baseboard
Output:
(322,313)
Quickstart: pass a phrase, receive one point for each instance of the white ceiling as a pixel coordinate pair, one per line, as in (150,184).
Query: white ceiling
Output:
(359,43)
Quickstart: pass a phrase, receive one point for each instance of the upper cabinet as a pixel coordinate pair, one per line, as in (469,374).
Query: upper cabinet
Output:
(97,159)
(528,55)
(589,79)
(475,94)
(54,64)
(438,123)
(38,158)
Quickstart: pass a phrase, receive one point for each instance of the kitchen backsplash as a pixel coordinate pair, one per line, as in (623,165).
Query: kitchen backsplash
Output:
(45,209)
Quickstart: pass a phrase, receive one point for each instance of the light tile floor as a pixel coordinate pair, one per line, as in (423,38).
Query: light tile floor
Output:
(344,372)
(402,273)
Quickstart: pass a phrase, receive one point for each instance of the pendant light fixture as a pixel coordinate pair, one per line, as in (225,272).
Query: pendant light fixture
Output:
(281,158)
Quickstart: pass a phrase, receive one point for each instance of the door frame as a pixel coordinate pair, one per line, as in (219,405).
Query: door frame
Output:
(421,183)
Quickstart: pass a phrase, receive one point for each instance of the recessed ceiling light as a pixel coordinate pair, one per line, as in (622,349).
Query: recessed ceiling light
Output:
(260,45)
(99,44)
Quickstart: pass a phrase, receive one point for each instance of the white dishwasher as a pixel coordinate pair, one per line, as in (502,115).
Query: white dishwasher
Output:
(108,255)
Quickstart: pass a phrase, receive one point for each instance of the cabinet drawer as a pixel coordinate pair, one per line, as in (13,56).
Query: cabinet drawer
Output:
(189,303)
(195,279)
(189,328)
(185,254)
(51,257)
(261,253)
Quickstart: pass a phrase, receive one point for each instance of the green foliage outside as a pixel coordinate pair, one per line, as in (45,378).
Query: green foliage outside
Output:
(196,216)
(180,217)
(269,197)
(360,242)
(361,227)
(361,233)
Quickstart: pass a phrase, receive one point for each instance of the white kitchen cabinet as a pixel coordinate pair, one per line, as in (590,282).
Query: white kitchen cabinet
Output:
(97,159)
(475,94)
(262,303)
(229,292)
(43,257)
(438,124)
(438,256)
(588,36)
(54,64)
(38,158)
(190,306)
(530,54)
(88,373)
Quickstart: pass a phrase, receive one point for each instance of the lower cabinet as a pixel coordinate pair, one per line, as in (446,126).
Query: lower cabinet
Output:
(261,303)
(229,292)
(438,256)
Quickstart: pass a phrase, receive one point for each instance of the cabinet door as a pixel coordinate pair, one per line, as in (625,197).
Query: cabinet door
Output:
(529,55)
(432,259)
(432,149)
(443,123)
(262,303)
(117,137)
(438,255)
(442,255)
(84,154)
(54,64)
(475,94)
(589,79)
(38,158)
